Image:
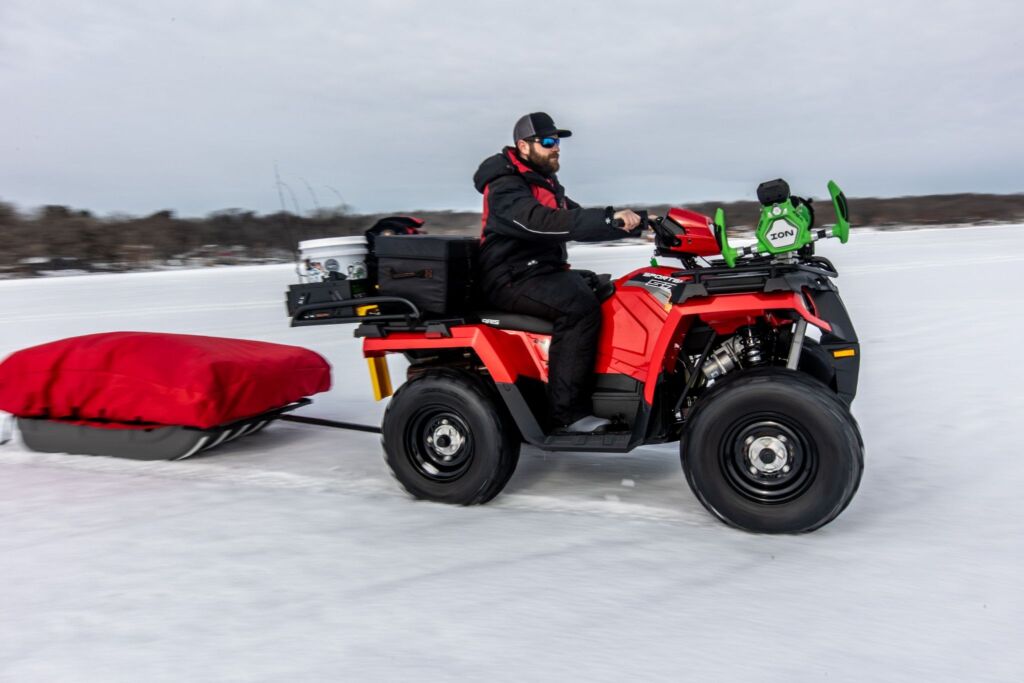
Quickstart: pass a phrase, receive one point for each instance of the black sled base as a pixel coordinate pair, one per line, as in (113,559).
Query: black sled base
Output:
(150,443)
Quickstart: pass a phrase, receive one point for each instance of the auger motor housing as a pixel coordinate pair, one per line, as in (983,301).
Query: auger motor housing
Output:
(786,222)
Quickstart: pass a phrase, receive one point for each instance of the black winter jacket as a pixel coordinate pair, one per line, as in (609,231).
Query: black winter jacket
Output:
(527,219)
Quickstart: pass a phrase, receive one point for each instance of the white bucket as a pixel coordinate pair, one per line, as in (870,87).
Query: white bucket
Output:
(343,255)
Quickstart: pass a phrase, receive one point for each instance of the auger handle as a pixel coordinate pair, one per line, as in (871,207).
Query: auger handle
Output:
(842,226)
(729,253)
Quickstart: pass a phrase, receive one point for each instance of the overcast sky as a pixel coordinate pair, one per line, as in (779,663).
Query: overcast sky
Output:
(391,105)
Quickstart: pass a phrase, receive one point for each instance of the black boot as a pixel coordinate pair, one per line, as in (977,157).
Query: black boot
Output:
(590,424)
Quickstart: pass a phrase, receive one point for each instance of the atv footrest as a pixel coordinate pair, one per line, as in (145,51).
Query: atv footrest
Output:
(612,443)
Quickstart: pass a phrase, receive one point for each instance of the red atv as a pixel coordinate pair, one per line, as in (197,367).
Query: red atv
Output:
(714,356)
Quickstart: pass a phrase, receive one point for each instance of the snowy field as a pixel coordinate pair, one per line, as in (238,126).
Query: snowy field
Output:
(293,556)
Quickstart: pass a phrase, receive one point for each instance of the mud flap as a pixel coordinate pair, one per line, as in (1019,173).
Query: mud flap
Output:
(380,377)
(841,343)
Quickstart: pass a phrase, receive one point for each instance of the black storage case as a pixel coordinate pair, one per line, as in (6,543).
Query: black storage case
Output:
(435,272)
(327,292)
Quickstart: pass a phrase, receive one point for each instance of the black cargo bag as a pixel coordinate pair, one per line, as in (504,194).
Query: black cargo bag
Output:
(389,225)
(435,272)
(329,291)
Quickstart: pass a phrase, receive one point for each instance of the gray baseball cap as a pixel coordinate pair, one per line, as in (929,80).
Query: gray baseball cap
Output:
(537,125)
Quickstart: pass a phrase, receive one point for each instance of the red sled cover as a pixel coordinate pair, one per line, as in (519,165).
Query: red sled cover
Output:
(166,379)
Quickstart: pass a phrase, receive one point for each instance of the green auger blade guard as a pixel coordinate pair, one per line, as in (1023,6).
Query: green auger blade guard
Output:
(728,253)
(842,227)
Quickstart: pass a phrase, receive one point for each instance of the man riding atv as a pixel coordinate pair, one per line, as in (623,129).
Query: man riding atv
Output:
(744,355)
(527,220)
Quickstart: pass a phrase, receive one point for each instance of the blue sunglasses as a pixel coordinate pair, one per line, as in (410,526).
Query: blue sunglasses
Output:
(547,143)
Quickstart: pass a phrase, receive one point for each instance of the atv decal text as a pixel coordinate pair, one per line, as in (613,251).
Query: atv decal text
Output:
(659,286)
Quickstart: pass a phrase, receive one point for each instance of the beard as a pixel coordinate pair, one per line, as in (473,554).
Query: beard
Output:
(548,165)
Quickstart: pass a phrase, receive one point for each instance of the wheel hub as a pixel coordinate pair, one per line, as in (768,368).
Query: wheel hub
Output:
(446,439)
(439,443)
(767,459)
(768,454)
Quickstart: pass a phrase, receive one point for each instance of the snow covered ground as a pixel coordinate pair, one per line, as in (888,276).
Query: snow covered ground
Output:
(292,555)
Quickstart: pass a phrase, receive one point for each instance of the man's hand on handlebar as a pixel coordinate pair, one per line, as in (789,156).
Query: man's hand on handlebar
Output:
(627,219)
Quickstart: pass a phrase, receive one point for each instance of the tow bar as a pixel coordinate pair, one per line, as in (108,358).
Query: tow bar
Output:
(320,422)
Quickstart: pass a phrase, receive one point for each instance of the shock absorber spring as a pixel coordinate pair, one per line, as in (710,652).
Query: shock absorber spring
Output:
(751,348)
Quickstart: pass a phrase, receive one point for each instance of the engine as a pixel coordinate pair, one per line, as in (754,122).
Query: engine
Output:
(744,349)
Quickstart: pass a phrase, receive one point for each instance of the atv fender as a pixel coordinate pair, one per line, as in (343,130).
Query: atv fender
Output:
(504,355)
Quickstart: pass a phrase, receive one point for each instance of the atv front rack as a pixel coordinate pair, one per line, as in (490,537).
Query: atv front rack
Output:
(757,275)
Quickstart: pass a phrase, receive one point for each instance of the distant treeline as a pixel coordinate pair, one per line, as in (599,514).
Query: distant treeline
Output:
(58,238)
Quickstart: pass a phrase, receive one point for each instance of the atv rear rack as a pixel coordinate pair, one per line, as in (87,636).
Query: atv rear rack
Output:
(376,308)
(374,317)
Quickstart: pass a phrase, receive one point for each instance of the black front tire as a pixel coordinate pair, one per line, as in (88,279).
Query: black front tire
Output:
(772,451)
(446,439)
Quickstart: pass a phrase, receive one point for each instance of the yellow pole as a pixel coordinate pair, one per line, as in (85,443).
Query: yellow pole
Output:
(380,378)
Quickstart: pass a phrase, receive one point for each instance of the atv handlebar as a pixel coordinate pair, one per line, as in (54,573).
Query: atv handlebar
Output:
(667,235)
(639,229)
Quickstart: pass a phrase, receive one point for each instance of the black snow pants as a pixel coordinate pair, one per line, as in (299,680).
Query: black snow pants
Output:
(566,300)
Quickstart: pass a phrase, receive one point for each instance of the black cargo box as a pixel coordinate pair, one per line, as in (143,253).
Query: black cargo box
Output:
(327,292)
(436,272)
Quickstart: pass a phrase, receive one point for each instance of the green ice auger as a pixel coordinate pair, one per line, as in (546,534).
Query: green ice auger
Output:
(786,222)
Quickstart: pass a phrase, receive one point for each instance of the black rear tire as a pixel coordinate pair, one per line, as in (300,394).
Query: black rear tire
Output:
(446,439)
(772,451)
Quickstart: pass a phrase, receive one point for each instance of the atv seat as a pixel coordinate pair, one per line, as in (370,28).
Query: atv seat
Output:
(514,321)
